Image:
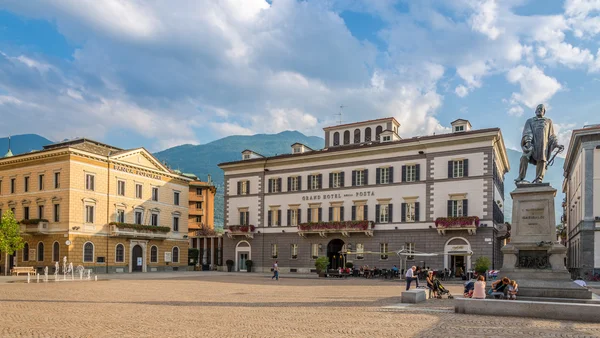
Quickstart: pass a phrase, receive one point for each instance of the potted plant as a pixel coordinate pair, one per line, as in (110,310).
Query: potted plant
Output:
(249,265)
(482,264)
(321,264)
(229,263)
(349,265)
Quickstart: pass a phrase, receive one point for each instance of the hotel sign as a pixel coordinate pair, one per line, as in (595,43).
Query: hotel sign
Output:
(137,172)
(335,196)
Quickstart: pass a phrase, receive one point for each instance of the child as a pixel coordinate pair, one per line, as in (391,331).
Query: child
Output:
(479,292)
(512,290)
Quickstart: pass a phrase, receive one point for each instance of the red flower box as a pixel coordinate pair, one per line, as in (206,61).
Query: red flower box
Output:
(346,225)
(457,222)
(241,228)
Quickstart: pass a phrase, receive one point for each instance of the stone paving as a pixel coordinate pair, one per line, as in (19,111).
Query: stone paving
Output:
(247,305)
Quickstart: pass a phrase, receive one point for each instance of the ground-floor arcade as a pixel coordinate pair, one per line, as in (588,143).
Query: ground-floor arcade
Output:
(102,254)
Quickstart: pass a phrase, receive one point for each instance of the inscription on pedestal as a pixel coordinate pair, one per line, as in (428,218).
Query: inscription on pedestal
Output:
(533,218)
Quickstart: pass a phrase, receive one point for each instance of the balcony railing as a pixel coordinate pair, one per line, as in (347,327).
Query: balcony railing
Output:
(34,226)
(240,230)
(344,228)
(138,231)
(469,223)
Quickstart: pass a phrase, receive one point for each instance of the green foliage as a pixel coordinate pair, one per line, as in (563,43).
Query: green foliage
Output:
(249,264)
(229,262)
(10,237)
(140,227)
(32,221)
(321,264)
(482,264)
(349,265)
(193,256)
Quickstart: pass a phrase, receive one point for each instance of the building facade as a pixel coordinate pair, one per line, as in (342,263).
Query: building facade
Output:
(366,195)
(105,208)
(581,205)
(201,225)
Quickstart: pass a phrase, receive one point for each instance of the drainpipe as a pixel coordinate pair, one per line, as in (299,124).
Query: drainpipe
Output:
(107,212)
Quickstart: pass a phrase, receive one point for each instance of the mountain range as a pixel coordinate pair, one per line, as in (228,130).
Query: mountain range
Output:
(202,160)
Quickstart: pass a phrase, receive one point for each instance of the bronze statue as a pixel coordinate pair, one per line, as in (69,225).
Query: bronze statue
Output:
(538,142)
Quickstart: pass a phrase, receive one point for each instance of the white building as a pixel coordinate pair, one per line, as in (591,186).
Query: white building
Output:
(369,192)
(582,202)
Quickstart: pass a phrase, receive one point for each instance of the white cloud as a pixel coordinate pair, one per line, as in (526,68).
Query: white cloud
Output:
(516,111)
(536,87)
(484,20)
(226,129)
(461,91)
(563,133)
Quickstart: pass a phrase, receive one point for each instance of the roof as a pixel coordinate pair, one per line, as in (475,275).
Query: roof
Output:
(362,122)
(302,144)
(87,145)
(575,136)
(460,120)
(367,145)
(251,151)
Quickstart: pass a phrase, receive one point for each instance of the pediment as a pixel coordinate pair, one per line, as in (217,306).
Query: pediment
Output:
(140,157)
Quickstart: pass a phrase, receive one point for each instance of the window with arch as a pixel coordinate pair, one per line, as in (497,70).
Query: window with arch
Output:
(40,252)
(336,139)
(154,254)
(367,134)
(55,252)
(26,252)
(347,137)
(378,131)
(88,252)
(356,135)
(120,253)
(175,256)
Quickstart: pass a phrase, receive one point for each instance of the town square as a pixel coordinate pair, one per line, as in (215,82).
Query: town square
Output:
(297,168)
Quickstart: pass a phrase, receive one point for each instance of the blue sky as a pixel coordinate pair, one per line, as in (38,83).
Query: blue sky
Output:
(161,73)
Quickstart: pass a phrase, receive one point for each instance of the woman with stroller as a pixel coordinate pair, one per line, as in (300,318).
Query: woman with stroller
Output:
(430,286)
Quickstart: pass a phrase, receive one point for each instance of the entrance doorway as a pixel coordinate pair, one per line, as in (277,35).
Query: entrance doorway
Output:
(242,258)
(137,259)
(336,259)
(457,262)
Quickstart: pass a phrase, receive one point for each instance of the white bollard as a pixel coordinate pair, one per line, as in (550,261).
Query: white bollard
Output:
(37,275)
(27,278)
(95,278)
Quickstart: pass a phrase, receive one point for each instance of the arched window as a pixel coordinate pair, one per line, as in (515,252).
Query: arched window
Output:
(377,132)
(88,252)
(26,252)
(357,135)
(154,254)
(368,134)
(336,139)
(120,253)
(175,255)
(56,252)
(347,137)
(40,252)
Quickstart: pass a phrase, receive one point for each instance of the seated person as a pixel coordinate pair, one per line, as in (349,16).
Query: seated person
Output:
(469,287)
(512,290)
(479,291)
(429,280)
(500,286)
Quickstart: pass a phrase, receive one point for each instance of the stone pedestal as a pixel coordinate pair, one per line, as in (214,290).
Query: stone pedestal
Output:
(534,258)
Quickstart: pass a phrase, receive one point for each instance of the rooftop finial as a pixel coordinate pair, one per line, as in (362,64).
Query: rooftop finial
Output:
(340,121)
(9,152)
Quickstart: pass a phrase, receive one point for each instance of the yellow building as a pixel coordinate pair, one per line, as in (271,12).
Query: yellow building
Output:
(105,208)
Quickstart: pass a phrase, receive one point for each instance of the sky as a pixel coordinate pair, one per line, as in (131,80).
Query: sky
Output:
(163,73)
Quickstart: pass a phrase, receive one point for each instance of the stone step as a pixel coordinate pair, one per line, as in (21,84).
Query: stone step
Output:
(560,300)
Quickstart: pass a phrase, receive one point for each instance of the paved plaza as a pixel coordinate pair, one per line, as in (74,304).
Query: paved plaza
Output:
(246,305)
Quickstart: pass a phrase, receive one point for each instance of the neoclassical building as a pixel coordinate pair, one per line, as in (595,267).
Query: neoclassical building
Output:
(367,194)
(105,208)
(581,205)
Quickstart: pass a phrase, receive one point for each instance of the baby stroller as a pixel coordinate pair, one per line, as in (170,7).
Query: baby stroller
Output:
(441,290)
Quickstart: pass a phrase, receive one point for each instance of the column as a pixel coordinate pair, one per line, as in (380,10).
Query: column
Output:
(212,251)
(198,247)
(220,250)
(204,251)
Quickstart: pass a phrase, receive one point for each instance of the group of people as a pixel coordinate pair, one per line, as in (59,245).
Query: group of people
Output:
(504,288)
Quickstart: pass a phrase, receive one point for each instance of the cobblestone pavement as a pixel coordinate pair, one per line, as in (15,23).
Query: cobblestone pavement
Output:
(247,306)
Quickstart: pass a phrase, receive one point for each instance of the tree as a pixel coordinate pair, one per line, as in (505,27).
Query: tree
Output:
(321,264)
(482,264)
(10,237)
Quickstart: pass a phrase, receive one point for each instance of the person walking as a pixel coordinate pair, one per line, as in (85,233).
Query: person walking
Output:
(275,271)
(410,276)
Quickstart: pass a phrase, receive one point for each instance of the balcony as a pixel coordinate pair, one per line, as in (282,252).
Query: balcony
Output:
(344,228)
(468,223)
(34,226)
(138,231)
(240,230)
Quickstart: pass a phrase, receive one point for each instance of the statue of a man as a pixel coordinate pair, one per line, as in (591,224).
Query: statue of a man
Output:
(538,142)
